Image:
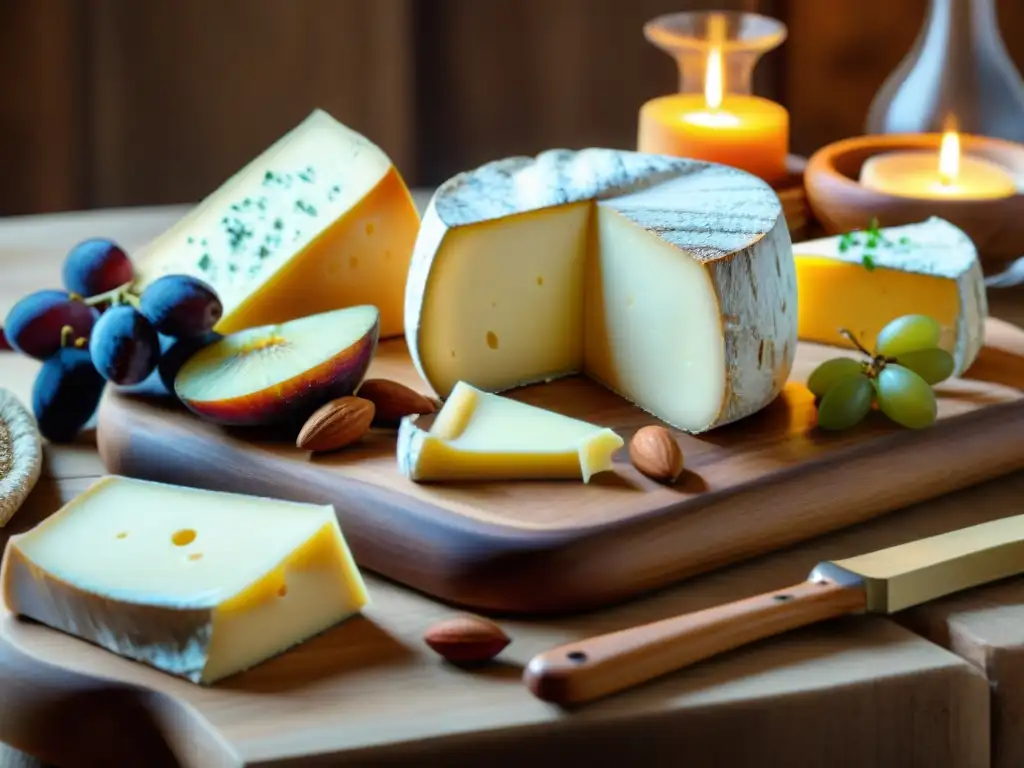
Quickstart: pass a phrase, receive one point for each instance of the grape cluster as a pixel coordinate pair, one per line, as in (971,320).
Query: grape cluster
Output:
(898,377)
(99,329)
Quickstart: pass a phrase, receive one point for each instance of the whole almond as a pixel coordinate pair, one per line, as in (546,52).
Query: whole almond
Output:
(466,639)
(394,401)
(336,424)
(655,453)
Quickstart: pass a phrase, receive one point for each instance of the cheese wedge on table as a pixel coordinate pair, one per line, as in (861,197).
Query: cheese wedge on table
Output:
(482,436)
(670,281)
(198,584)
(319,221)
(861,282)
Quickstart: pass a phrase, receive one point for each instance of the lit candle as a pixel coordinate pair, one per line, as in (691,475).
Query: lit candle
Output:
(743,131)
(947,175)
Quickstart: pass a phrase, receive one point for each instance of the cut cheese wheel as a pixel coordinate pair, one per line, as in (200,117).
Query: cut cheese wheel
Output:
(482,436)
(862,281)
(196,583)
(319,221)
(669,281)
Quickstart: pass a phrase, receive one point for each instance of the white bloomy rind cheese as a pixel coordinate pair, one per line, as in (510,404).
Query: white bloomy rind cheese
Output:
(198,584)
(482,436)
(669,281)
(929,268)
(319,221)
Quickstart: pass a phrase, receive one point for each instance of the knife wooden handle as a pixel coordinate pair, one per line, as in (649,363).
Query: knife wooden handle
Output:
(589,669)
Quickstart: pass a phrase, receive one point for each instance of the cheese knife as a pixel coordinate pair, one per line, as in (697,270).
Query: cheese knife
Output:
(882,582)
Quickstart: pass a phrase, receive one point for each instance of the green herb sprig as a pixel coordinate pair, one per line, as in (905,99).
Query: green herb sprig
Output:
(871,239)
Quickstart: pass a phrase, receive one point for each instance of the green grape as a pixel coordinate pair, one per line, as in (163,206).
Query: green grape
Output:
(907,334)
(905,397)
(932,365)
(846,403)
(830,373)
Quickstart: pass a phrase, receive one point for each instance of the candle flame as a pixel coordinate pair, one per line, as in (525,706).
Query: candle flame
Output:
(714,73)
(949,158)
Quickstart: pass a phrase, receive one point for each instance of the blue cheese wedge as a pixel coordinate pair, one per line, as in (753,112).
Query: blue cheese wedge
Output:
(319,221)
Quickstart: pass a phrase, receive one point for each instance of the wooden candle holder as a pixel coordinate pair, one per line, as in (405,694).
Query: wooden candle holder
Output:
(840,204)
(794,197)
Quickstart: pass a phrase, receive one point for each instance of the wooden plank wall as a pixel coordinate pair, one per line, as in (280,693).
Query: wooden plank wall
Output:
(118,102)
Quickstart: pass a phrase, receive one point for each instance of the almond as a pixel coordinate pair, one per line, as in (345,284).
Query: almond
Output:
(466,639)
(336,424)
(655,453)
(394,401)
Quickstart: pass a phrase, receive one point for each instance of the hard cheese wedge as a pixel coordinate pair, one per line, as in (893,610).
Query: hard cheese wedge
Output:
(928,268)
(321,220)
(669,281)
(482,436)
(196,583)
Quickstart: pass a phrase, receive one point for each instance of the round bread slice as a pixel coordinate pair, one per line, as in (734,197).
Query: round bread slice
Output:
(21,455)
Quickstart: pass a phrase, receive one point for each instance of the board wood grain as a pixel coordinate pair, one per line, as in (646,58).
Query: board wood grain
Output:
(547,547)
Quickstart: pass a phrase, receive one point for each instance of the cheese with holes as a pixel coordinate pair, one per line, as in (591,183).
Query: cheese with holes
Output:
(860,282)
(319,221)
(199,584)
(482,436)
(669,281)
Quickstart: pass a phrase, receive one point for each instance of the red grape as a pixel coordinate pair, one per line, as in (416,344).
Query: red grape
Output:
(33,325)
(4,344)
(96,266)
(181,306)
(124,346)
(66,392)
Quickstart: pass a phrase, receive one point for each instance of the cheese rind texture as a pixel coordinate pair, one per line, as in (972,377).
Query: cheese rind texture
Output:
(929,268)
(670,281)
(320,220)
(199,584)
(479,435)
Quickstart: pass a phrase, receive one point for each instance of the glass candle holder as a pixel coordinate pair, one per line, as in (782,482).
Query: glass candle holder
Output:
(715,116)
(958,75)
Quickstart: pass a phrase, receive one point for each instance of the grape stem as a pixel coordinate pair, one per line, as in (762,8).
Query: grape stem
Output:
(122,293)
(878,362)
(853,340)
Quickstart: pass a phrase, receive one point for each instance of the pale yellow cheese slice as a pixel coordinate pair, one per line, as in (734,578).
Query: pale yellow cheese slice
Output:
(482,436)
(196,583)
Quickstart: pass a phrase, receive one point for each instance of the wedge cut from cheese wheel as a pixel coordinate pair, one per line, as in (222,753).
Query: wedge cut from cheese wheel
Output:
(482,436)
(668,280)
(929,268)
(319,221)
(196,583)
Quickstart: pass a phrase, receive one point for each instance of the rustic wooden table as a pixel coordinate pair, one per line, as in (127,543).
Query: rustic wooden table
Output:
(860,692)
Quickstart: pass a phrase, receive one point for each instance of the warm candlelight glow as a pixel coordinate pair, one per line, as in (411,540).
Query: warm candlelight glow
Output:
(949,158)
(715,123)
(928,175)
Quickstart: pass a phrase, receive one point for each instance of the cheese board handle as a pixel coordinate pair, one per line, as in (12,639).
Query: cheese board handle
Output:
(579,672)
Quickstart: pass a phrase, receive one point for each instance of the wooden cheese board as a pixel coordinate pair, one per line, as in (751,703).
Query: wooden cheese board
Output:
(757,485)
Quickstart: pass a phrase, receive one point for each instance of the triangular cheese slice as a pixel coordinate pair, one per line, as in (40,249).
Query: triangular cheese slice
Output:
(482,436)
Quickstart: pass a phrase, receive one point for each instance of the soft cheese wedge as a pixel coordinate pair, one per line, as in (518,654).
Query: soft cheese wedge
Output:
(321,220)
(482,436)
(199,584)
(670,281)
(929,268)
